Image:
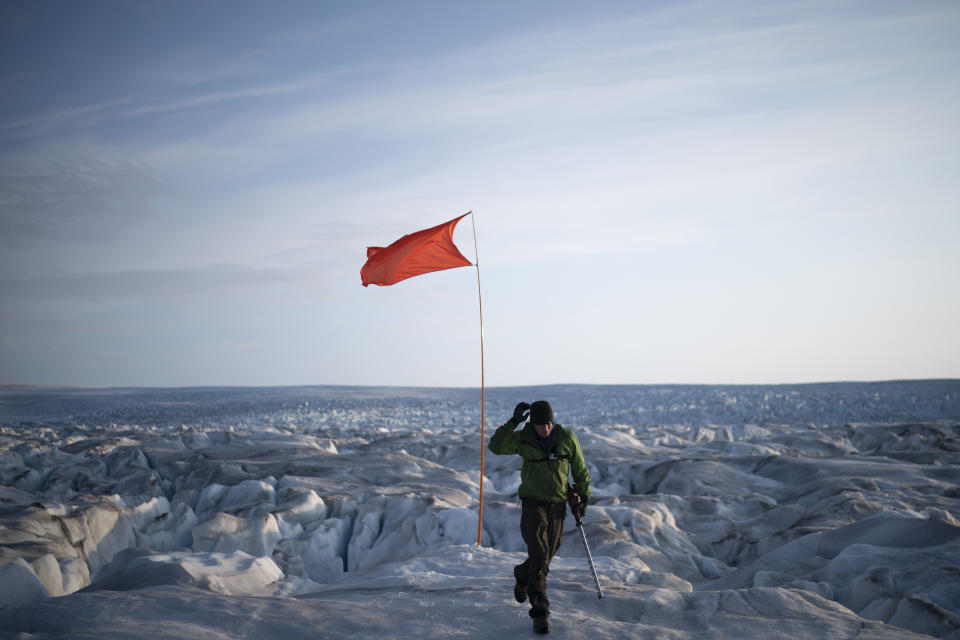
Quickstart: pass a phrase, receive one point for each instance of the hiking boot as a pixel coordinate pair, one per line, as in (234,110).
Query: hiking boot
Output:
(541,625)
(519,591)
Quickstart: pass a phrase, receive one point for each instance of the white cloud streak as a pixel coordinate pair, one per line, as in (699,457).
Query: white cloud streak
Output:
(210,280)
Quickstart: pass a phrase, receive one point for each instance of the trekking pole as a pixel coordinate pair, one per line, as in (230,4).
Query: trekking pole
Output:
(586,547)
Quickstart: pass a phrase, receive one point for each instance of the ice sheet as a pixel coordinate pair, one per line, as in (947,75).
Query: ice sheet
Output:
(808,511)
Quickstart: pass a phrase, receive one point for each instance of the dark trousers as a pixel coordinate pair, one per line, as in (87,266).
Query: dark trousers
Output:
(541,524)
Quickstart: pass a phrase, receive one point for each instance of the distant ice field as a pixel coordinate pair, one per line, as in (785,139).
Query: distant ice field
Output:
(807,511)
(391,407)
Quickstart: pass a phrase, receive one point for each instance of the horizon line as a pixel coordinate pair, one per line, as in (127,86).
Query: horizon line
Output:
(70,387)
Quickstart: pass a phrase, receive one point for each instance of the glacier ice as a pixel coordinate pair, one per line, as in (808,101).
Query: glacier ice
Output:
(816,510)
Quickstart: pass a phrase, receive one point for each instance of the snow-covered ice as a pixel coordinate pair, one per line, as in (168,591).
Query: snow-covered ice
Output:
(804,511)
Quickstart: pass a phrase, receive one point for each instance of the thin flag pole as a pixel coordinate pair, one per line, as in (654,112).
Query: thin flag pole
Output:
(483,385)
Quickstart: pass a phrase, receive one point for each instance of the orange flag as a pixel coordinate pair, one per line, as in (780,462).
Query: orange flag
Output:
(414,254)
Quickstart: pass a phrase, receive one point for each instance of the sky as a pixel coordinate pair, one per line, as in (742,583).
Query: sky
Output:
(663,192)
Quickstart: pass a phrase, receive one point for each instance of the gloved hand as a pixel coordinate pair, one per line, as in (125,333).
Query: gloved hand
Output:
(578,503)
(520,412)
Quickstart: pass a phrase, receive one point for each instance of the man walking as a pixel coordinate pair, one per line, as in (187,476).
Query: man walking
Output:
(550,453)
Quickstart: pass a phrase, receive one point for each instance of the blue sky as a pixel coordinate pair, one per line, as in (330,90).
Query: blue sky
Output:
(665,192)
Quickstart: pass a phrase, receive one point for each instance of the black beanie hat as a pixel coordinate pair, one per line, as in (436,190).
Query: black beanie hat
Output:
(541,412)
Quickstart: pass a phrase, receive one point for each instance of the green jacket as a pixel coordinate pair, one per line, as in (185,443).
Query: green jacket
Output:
(544,474)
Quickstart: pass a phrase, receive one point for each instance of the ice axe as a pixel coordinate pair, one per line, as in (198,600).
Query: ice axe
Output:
(573,498)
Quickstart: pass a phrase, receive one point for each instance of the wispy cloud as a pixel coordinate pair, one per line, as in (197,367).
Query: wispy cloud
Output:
(208,280)
(72,198)
(548,89)
(124,109)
